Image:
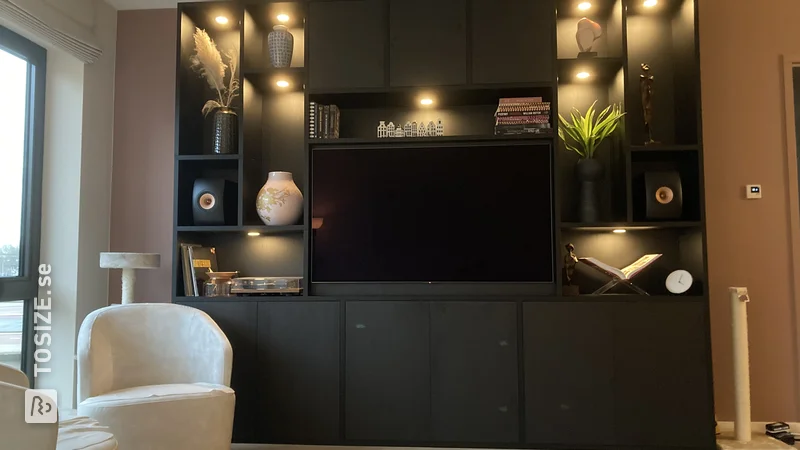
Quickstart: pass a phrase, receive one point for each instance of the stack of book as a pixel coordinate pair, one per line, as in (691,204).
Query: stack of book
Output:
(323,121)
(522,115)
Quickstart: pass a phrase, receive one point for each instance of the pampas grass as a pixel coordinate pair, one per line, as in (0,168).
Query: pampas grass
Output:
(207,61)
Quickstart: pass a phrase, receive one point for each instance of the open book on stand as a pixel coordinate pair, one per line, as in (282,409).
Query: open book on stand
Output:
(623,275)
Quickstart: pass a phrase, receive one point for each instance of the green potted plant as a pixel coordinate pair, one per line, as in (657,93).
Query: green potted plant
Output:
(583,136)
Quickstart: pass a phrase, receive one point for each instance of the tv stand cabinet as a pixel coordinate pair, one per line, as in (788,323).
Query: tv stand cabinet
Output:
(506,366)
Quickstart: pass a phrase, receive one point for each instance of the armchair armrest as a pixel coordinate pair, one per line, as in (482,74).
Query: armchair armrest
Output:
(15,432)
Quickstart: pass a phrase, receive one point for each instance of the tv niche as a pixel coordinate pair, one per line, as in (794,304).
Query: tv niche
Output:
(424,214)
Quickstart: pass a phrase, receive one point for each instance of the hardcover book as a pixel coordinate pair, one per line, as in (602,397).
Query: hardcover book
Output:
(627,272)
(201,259)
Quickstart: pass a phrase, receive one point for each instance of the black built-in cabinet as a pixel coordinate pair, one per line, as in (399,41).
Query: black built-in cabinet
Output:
(469,366)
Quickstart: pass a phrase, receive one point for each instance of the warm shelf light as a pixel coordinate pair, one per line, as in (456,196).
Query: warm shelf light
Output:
(253,233)
(584,6)
(282,84)
(222,20)
(283,18)
(426,101)
(650,3)
(583,75)
(619,231)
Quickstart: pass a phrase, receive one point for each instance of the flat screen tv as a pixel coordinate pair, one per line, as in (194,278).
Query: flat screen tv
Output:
(470,213)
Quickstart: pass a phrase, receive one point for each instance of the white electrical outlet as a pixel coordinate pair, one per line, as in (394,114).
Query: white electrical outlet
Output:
(753,191)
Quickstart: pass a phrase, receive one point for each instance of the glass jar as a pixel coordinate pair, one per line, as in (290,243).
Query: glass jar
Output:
(218,287)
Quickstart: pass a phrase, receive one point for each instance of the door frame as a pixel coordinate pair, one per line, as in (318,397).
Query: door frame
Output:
(788,62)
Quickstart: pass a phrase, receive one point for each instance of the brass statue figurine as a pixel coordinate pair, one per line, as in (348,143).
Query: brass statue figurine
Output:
(646,87)
(570,261)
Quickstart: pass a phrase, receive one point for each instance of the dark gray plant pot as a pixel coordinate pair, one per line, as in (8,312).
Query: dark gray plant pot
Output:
(589,173)
(225,137)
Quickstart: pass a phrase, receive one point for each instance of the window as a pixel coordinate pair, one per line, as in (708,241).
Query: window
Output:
(21,148)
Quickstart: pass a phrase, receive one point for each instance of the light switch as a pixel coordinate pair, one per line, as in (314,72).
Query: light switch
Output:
(753,191)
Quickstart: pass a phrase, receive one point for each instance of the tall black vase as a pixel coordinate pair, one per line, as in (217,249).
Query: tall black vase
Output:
(589,172)
(225,138)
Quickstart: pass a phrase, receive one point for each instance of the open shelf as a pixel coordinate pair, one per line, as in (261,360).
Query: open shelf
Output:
(263,229)
(259,20)
(212,157)
(606,13)
(632,298)
(632,226)
(427,140)
(600,69)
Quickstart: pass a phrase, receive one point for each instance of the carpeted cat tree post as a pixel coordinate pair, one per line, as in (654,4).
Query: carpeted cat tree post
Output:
(129,263)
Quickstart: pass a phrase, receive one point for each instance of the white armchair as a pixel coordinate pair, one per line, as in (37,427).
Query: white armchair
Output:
(70,433)
(158,375)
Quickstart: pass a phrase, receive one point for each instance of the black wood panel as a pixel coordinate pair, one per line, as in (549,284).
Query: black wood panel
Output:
(512,40)
(568,373)
(427,42)
(238,321)
(474,374)
(299,372)
(346,44)
(661,375)
(387,373)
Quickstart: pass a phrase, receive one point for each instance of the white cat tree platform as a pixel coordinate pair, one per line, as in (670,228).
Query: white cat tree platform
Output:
(129,263)
(742,436)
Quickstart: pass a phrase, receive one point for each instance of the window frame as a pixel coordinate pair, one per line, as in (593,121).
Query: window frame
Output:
(25,286)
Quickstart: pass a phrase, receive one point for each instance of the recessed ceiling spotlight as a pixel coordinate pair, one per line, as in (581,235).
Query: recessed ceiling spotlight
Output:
(426,101)
(619,231)
(222,20)
(283,18)
(584,6)
(282,83)
(254,233)
(583,75)
(650,3)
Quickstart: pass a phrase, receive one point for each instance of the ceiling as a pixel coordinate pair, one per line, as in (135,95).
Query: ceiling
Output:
(145,4)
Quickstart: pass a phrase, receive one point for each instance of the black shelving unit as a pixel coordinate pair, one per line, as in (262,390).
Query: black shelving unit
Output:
(307,367)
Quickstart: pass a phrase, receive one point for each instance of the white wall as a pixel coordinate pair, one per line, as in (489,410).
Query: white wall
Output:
(79,112)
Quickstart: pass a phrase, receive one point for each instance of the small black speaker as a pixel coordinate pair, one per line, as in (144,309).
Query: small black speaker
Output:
(214,202)
(664,195)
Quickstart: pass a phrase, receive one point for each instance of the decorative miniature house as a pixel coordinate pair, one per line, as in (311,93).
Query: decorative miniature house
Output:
(390,129)
(431,128)
(382,132)
(421,130)
(398,132)
(439,128)
(407,129)
(413,129)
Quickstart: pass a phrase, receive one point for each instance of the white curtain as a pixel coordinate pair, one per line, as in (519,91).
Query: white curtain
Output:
(32,17)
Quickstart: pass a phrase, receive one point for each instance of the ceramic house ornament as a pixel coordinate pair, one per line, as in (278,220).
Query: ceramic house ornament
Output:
(431,128)
(398,132)
(407,129)
(382,131)
(413,129)
(422,131)
(390,129)
(439,128)
(588,34)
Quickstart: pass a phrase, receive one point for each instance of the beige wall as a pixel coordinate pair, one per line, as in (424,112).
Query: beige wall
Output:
(144,137)
(748,241)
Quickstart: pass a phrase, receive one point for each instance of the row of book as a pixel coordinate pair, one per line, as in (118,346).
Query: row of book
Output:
(323,121)
(196,261)
(522,115)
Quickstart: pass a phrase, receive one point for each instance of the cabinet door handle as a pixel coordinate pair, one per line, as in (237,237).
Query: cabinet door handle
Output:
(503,409)
(360,326)
(503,343)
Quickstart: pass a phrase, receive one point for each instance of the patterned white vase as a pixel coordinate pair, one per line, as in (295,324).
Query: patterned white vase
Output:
(280,202)
(281,46)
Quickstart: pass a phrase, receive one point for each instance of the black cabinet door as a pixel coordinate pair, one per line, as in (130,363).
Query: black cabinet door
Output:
(346,44)
(298,363)
(474,373)
(568,373)
(387,373)
(512,41)
(662,375)
(238,321)
(427,42)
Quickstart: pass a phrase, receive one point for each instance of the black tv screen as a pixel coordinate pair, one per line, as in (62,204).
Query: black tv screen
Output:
(478,213)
